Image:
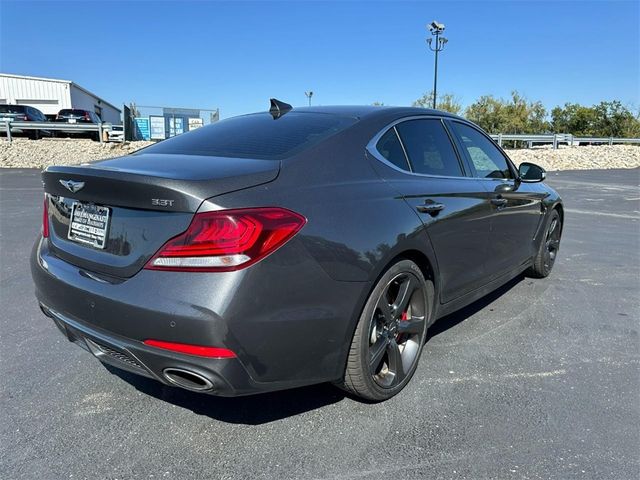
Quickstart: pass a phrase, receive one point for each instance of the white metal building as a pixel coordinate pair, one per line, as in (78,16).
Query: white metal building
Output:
(50,95)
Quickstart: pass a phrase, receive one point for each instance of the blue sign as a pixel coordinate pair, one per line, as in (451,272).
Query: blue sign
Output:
(143,131)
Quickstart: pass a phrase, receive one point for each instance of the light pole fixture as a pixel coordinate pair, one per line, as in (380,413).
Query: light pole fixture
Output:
(309,95)
(436,29)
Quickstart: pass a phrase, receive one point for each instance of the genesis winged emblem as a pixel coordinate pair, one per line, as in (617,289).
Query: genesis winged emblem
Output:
(72,186)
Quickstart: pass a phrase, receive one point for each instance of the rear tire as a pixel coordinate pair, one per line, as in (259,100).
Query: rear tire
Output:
(35,135)
(390,334)
(548,249)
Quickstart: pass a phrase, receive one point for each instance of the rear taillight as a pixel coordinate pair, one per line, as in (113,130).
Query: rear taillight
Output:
(198,350)
(227,240)
(45,219)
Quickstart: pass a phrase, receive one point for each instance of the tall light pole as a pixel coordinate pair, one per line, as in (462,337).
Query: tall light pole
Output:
(309,95)
(436,29)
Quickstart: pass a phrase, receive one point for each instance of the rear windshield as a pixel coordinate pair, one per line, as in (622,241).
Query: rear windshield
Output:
(256,136)
(77,113)
(12,109)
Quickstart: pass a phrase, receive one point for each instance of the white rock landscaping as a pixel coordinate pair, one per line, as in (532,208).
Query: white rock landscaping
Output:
(23,153)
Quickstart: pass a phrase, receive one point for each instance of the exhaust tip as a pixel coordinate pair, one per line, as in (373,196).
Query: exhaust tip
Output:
(187,379)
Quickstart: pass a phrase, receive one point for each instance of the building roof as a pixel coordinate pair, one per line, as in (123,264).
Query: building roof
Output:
(58,80)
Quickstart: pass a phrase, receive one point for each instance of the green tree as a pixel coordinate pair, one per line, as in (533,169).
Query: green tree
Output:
(615,120)
(516,115)
(488,113)
(575,119)
(446,102)
(606,119)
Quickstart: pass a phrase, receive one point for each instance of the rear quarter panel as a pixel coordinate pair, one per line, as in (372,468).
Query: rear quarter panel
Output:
(356,225)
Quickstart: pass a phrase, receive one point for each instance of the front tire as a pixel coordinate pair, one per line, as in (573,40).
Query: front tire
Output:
(390,334)
(548,250)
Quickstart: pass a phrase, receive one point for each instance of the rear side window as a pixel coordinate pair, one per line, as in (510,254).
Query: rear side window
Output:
(256,136)
(487,160)
(390,148)
(37,114)
(429,148)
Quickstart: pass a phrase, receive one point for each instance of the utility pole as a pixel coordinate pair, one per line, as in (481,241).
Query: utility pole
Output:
(309,94)
(436,30)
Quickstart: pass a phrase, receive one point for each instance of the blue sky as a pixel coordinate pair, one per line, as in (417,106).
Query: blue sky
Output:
(235,55)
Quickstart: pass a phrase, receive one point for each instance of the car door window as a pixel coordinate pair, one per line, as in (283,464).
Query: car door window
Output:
(486,159)
(390,148)
(429,148)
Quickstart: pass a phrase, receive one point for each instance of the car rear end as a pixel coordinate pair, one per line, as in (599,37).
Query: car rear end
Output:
(74,116)
(143,263)
(14,113)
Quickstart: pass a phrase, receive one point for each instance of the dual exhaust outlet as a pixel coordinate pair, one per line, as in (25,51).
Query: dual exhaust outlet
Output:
(187,379)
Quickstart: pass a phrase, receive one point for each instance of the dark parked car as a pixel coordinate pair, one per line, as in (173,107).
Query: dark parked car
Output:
(23,113)
(288,248)
(74,115)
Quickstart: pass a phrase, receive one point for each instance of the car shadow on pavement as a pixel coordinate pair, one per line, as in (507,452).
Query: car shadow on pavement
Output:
(269,407)
(249,410)
(445,323)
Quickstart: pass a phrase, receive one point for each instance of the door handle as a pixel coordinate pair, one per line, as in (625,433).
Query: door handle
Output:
(499,201)
(430,207)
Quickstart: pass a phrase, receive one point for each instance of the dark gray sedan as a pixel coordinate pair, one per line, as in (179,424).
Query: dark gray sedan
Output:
(287,248)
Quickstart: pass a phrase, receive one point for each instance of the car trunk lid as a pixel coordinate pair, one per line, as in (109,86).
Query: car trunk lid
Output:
(148,199)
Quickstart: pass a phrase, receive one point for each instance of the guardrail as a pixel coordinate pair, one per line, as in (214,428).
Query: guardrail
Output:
(557,138)
(553,138)
(6,127)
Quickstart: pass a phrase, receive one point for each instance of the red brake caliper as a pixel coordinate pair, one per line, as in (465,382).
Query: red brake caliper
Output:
(403,318)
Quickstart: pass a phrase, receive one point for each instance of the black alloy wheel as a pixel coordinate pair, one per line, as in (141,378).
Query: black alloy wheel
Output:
(549,246)
(390,334)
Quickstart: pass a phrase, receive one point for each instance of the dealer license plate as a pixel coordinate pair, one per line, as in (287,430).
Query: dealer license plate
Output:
(89,224)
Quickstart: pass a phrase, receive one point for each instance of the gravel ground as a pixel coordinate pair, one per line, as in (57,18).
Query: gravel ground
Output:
(580,158)
(23,153)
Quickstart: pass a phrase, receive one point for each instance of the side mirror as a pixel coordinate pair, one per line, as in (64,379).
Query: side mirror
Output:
(531,173)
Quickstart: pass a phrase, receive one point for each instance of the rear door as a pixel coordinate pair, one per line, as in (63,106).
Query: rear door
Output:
(516,209)
(454,208)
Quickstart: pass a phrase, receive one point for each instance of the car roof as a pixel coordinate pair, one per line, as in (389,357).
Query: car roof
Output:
(370,111)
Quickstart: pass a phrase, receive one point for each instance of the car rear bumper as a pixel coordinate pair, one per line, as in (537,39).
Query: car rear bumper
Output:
(224,377)
(288,323)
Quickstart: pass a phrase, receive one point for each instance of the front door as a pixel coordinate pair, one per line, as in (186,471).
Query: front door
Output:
(516,207)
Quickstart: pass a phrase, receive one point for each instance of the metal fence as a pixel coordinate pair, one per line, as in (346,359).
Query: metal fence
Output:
(556,138)
(112,131)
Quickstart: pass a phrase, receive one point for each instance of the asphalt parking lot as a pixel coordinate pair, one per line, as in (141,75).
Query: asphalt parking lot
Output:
(539,380)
